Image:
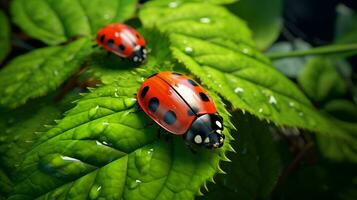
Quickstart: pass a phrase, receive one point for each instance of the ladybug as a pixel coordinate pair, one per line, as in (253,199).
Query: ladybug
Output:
(122,40)
(181,106)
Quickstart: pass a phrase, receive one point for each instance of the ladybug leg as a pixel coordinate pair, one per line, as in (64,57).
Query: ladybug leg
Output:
(151,123)
(191,148)
(159,133)
(137,109)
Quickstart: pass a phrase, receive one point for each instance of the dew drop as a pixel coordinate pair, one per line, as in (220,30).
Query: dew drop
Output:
(106,16)
(66,158)
(95,191)
(116,94)
(188,49)
(260,110)
(151,151)
(134,184)
(93,111)
(272,100)
(205,20)
(238,90)
(246,51)
(291,104)
(173,4)
(301,114)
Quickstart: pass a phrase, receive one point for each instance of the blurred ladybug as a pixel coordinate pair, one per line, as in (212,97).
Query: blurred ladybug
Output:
(181,106)
(122,40)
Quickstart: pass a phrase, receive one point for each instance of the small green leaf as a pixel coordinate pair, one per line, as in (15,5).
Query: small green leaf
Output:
(321,81)
(109,68)
(263,17)
(54,22)
(40,71)
(4,36)
(342,109)
(341,145)
(255,167)
(102,148)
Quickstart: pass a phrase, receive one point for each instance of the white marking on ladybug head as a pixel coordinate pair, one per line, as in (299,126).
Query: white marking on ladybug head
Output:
(219,131)
(137,48)
(136,58)
(145,51)
(198,139)
(206,140)
(219,124)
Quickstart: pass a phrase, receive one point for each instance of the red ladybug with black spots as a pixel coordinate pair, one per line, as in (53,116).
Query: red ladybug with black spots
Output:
(181,106)
(123,41)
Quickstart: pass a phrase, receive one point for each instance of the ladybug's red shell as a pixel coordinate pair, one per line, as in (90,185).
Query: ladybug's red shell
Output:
(174,101)
(121,39)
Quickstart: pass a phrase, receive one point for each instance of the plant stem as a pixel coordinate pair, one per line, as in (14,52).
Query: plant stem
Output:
(323,50)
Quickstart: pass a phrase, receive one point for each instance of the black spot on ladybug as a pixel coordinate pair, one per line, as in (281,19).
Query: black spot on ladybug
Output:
(204,97)
(137,35)
(192,111)
(121,47)
(170,117)
(175,73)
(144,91)
(102,38)
(152,75)
(192,82)
(154,104)
(110,43)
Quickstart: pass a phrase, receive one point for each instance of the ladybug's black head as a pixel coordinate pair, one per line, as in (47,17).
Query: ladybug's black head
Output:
(206,131)
(139,54)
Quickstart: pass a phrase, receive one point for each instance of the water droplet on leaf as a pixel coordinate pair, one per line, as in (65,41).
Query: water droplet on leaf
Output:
(205,20)
(173,4)
(188,49)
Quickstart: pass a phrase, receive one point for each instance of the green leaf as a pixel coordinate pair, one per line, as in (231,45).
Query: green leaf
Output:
(40,71)
(103,149)
(263,17)
(321,81)
(255,167)
(342,109)
(345,147)
(5,37)
(55,22)
(109,68)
